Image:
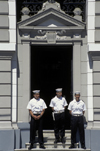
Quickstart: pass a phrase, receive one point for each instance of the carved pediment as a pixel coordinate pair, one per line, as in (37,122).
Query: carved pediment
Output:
(51,18)
(50,24)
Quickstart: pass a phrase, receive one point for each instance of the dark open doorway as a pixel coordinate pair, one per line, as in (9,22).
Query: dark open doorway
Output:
(51,68)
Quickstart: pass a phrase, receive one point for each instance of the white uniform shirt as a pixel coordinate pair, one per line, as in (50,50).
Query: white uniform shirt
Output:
(58,103)
(77,107)
(36,105)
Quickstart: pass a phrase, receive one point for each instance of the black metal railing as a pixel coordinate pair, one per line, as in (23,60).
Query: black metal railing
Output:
(66,5)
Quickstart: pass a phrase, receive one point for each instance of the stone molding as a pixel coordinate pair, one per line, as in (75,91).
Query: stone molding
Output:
(6,55)
(95,55)
(53,12)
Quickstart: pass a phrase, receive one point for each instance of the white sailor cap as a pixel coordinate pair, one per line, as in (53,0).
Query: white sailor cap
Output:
(59,90)
(77,92)
(36,91)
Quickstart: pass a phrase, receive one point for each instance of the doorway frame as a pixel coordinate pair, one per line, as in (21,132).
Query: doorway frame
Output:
(34,31)
(26,87)
(25,46)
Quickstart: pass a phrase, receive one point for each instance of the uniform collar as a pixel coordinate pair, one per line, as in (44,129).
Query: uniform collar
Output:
(59,98)
(77,101)
(37,99)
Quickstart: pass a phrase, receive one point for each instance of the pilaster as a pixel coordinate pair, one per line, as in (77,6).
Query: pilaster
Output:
(76,67)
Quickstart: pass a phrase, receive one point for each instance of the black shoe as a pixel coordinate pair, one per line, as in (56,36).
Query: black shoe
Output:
(56,141)
(83,147)
(42,146)
(72,146)
(31,146)
(63,140)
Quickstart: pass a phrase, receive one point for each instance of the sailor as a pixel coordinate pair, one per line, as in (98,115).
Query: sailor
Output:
(58,105)
(77,109)
(36,107)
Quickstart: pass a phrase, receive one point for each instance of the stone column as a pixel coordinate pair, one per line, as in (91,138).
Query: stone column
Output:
(24,80)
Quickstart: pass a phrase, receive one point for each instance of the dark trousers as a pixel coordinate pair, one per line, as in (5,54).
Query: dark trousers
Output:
(77,122)
(59,125)
(36,124)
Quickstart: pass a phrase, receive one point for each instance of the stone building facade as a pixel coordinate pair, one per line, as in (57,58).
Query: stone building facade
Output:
(50,29)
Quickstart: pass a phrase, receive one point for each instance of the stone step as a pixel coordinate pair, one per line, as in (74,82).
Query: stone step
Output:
(52,134)
(52,139)
(52,145)
(47,132)
(54,149)
(49,139)
(52,131)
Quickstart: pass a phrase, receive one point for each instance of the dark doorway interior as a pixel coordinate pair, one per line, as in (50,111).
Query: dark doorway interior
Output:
(50,69)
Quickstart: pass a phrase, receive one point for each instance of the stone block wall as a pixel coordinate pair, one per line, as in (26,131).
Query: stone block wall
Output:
(5,65)
(96,92)
(97,21)
(4,21)
(23,81)
(7,62)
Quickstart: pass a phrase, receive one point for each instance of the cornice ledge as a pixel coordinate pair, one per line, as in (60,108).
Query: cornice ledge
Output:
(6,55)
(95,55)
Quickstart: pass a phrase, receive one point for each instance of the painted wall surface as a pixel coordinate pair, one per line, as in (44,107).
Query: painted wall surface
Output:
(13,92)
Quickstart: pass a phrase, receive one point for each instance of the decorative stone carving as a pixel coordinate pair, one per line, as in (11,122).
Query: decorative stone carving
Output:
(77,35)
(25,11)
(51,36)
(26,35)
(41,32)
(41,37)
(51,4)
(61,32)
(61,37)
(65,6)
(77,11)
